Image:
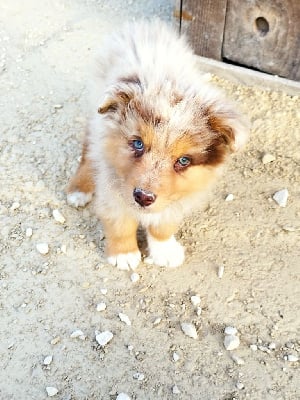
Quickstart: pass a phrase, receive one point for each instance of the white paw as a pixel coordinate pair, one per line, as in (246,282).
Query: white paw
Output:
(79,199)
(168,253)
(125,261)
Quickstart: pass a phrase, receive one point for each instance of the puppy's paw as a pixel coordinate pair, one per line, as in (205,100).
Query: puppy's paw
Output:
(125,261)
(79,199)
(168,253)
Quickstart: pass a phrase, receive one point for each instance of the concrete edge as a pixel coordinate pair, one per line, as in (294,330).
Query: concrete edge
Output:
(248,77)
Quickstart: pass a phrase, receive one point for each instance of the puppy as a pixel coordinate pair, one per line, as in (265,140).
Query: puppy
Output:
(157,137)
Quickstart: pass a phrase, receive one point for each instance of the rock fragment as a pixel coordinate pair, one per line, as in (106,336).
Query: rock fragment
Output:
(77,334)
(58,216)
(103,338)
(134,277)
(189,330)
(175,390)
(238,360)
(292,358)
(28,232)
(281,197)
(229,197)
(267,158)
(48,360)
(123,396)
(51,391)
(124,318)
(42,248)
(139,376)
(230,330)
(231,342)
(101,306)
(176,357)
(195,300)
(221,271)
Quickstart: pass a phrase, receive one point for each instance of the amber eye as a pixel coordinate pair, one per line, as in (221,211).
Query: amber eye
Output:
(138,147)
(182,163)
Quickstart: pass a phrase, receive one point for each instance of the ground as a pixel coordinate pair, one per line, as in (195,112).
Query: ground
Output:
(46,51)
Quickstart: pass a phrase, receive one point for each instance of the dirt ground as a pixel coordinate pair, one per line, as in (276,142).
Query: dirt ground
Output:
(46,50)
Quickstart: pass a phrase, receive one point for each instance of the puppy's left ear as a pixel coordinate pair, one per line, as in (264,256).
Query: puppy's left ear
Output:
(232,126)
(113,102)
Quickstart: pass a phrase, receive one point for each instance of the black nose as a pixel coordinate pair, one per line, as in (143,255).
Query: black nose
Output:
(143,198)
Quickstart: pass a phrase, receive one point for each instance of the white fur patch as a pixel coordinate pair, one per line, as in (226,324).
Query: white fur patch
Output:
(79,199)
(168,253)
(125,261)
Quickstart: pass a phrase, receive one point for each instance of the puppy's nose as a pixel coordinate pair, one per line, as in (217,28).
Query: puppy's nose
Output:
(143,198)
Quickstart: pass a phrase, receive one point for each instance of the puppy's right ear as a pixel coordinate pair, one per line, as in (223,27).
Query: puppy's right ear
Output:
(115,101)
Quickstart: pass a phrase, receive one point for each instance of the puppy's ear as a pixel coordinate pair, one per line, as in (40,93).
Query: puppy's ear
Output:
(115,101)
(119,96)
(229,124)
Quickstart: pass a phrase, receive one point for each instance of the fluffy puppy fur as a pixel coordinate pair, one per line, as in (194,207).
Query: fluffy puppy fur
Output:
(157,137)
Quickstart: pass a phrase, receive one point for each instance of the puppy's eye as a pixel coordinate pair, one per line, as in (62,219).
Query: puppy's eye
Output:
(137,146)
(182,163)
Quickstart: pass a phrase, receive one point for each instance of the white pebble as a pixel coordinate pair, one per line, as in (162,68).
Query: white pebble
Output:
(58,217)
(221,271)
(15,205)
(124,318)
(281,197)
(253,347)
(63,248)
(51,391)
(292,358)
(267,158)
(48,360)
(103,338)
(231,342)
(175,357)
(175,390)
(123,396)
(195,300)
(240,385)
(189,330)
(28,232)
(134,277)
(57,106)
(238,360)
(42,248)
(198,311)
(103,291)
(101,307)
(138,376)
(230,330)
(272,346)
(77,334)
(229,197)
(157,321)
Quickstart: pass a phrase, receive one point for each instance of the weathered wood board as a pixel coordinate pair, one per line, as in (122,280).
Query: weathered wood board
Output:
(264,34)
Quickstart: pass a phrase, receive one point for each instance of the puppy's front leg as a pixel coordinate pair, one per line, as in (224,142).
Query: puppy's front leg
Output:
(121,243)
(163,248)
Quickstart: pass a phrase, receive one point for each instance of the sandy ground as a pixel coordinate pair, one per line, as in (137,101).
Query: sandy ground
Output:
(46,50)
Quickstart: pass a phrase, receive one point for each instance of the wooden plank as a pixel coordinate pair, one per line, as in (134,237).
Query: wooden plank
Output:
(203,22)
(265,35)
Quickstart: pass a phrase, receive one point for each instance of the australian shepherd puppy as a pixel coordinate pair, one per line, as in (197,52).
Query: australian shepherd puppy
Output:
(157,137)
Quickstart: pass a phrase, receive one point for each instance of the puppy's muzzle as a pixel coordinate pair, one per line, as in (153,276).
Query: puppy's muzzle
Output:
(143,198)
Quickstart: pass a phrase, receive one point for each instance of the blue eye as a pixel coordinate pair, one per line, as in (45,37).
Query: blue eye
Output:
(182,163)
(137,146)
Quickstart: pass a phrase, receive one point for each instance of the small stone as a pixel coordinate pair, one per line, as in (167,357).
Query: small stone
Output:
(253,347)
(15,205)
(55,340)
(103,291)
(157,321)
(51,391)
(229,197)
(175,390)
(103,338)
(281,197)
(292,358)
(58,216)
(101,307)
(231,342)
(28,232)
(123,396)
(189,330)
(77,334)
(138,376)
(272,346)
(230,330)
(42,248)
(134,277)
(48,360)
(124,318)
(221,271)
(239,385)
(130,347)
(57,106)
(267,158)
(195,300)
(176,357)
(238,360)
(63,248)
(198,311)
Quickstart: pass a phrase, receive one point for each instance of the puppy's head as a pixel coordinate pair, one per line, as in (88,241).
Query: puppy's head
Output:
(166,144)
